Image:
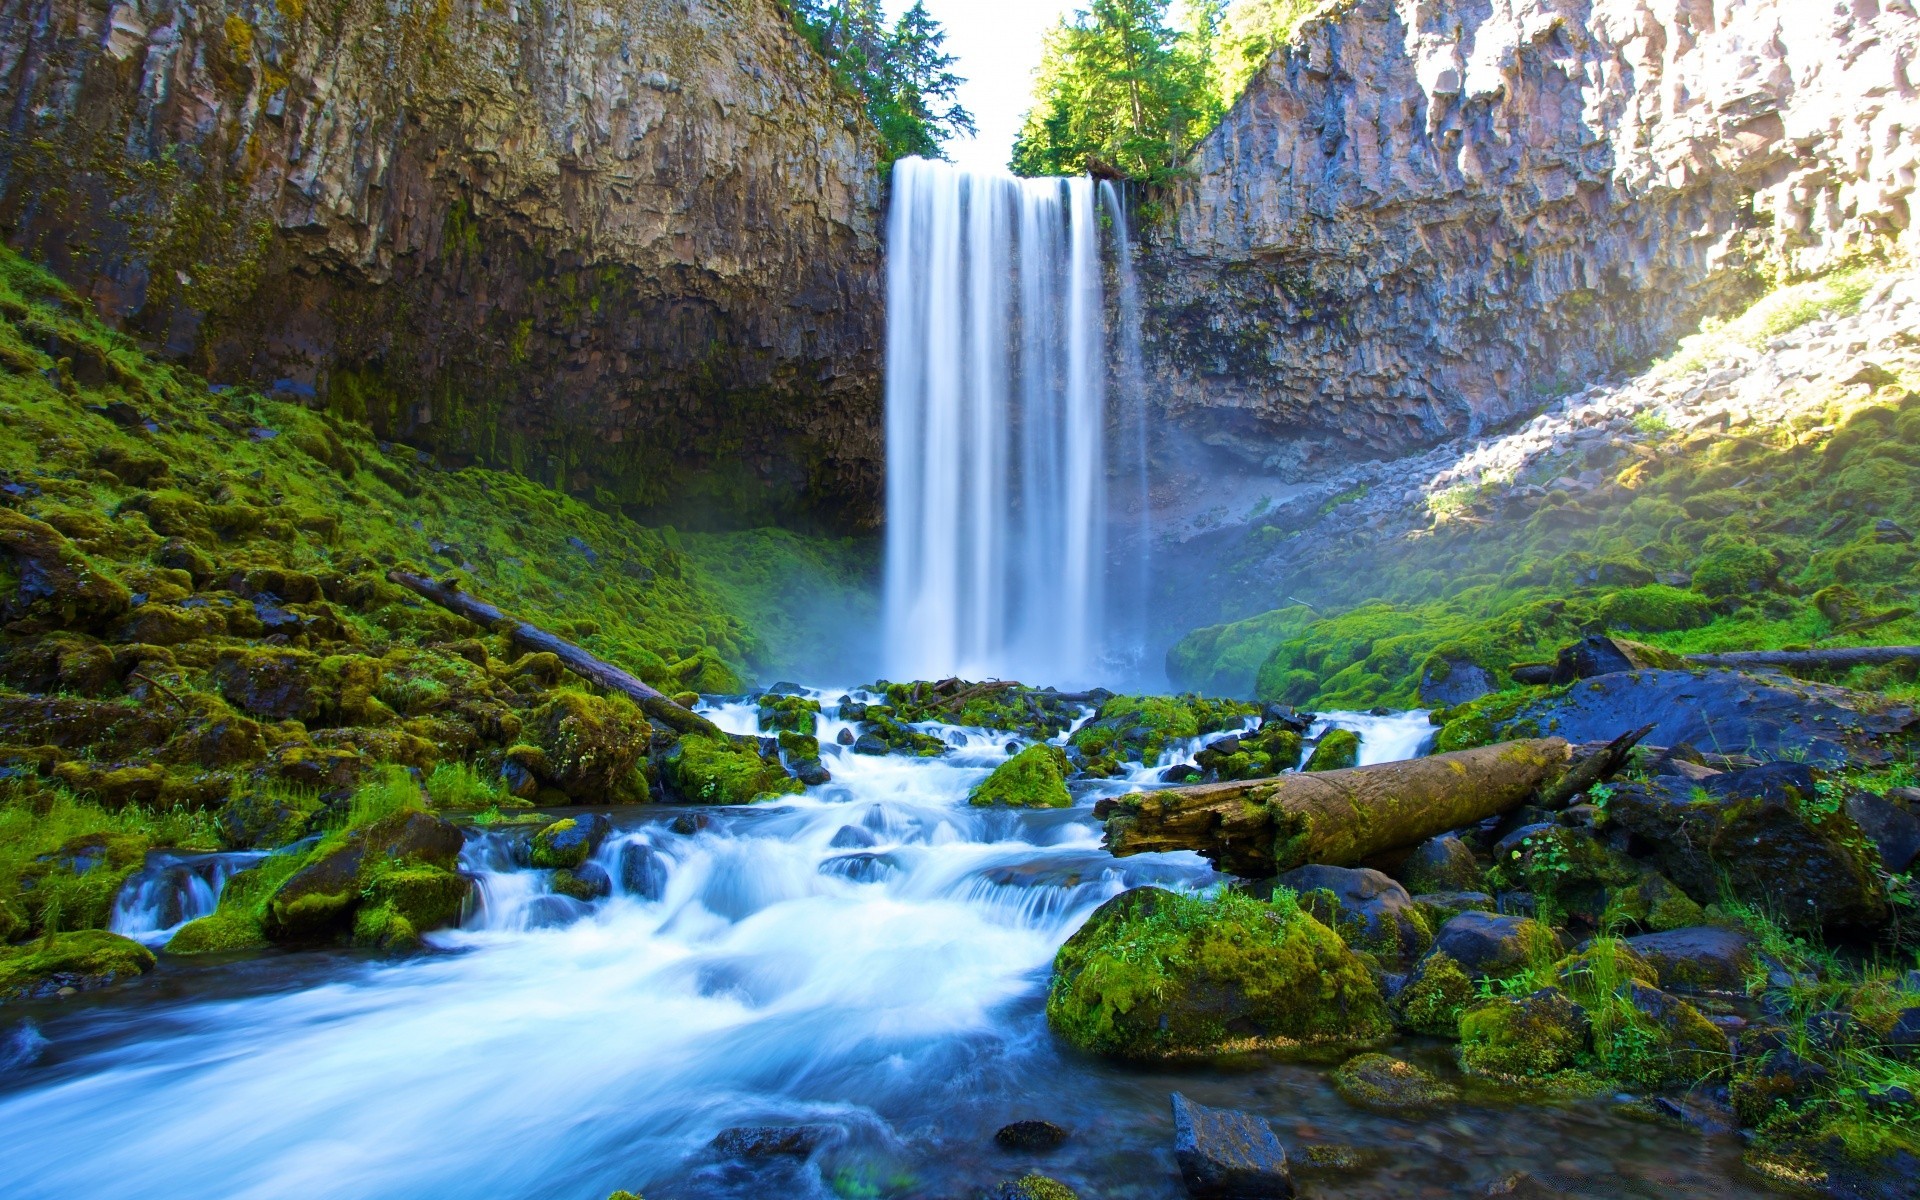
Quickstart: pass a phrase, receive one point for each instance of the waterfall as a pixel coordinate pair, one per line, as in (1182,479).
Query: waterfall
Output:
(999,440)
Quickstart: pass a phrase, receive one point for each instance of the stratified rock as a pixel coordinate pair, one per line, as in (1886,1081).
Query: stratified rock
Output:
(1227,1155)
(579,236)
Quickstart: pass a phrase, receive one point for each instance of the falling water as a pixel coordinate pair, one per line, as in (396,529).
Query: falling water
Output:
(998,427)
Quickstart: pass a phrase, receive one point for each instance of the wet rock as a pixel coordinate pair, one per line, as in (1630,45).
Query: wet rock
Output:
(688,824)
(1773,1078)
(845,737)
(853,837)
(812,772)
(706,770)
(1904,1035)
(1336,750)
(1033,1186)
(1450,681)
(642,874)
(1442,864)
(1703,958)
(1369,909)
(587,882)
(68,962)
(1386,1084)
(1765,714)
(322,897)
(1034,778)
(1227,1155)
(1690,1047)
(860,868)
(871,743)
(569,842)
(1489,945)
(592,746)
(1030,1136)
(1523,1036)
(1895,832)
(399,904)
(767,1141)
(264,817)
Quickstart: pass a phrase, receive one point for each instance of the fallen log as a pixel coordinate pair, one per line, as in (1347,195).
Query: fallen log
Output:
(537,640)
(1838,659)
(1259,828)
(1592,767)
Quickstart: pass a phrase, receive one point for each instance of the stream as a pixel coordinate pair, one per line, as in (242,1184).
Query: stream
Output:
(866,962)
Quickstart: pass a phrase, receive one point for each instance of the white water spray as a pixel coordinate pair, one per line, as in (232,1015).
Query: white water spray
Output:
(998,430)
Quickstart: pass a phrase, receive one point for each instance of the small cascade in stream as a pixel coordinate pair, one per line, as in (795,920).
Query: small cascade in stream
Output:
(1015,430)
(172,889)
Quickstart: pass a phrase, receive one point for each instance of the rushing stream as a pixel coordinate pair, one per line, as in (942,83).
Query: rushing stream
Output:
(867,961)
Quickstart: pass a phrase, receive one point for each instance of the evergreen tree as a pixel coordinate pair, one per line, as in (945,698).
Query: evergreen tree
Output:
(901,73)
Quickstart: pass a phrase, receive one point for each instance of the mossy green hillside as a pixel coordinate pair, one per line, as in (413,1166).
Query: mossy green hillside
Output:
(1034,778)
(1156,974)
(1695,542)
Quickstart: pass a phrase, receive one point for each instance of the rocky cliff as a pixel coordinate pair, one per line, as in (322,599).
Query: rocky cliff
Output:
(1429,215)
(629,247)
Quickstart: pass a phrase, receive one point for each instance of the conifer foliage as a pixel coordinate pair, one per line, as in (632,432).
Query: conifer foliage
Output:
(900,71)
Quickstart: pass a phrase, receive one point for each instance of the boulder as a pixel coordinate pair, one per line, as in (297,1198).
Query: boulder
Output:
(1388,1085)
(586,883)
(399,904)
(1434,995)
(1227,1155)
(706,770)
(1154,975)
(1701,958)
(592,745)
(1033,1186)
(1442,864)
(1895,832)
(1034,778)
(642,874)
(1684,1046)
(87,958)
(767,1141)
(1368,909)
(1519,1037)
(1336,750)
(55,586)
(321,898)
(1030,1136)
(1492,945)
(569,842)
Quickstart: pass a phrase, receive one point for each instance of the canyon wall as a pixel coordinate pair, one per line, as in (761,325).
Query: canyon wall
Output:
(1426,216)
(630,247)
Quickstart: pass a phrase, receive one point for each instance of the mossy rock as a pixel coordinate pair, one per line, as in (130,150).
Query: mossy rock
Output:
(569,842)
(1522,1037)
(1139,728)
(262,814)
(87,958)
(1337,750)
(705,770)
(789,714)
(1434,996)
(1034,778)
(74,886)
(400,904)
(1034,1186)
(54,585)
(592,747)
(322,897)
(239,923)
(1156,975)
(1385,1084)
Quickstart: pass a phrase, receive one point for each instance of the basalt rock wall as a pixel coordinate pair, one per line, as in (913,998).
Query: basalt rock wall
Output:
(629,247)
(1427,215)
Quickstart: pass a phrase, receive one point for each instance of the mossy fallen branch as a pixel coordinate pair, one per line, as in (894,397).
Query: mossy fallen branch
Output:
(1262,827)
(536,640)
(1843,658)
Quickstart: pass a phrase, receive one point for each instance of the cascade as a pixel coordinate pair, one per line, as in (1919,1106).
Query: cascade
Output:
(1004,454)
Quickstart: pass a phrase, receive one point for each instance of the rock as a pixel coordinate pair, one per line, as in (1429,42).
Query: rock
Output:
(70,962)
(1491,945)
(1369,910)
(1442,864)
(586,883)
(399,904)
(1903,1036)
(871,743)
(642,874)
(1227,1155)
(1030,1136)
(1274,748)
(1895,831)
(1519,1037)
(1764,714)
(1450,681)
(592,747)
(1034,778)
(569,842)
(1388,1085)
(705,770)
(845,737)
(322,897)
(1155,975)
(54,585)
(1764,832)
(1033,1186)
(1336,750)
(1688,1047)
(767,1141)
(1703,958)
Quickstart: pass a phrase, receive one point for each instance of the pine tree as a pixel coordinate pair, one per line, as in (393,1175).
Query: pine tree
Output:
(902,74)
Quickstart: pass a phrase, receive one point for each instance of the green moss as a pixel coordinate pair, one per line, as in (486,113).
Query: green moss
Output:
(401,903)
(1139,728)
(1337,750)
(1386,1084)
(704,770)
(1528,1036)
(87,958)
(238,923)
(1433,999)
(1035,1186)
(1034,778)
(592,746)
(791,714)
(1156,975)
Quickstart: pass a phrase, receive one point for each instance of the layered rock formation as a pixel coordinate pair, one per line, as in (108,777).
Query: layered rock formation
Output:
(627,246)
(1428,215)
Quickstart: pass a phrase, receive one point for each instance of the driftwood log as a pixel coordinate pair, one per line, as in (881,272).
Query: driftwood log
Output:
(536,640)
(1258,828)
(1837,659)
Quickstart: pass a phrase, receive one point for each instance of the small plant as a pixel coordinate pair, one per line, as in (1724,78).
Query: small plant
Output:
(457,785)
(1652,423)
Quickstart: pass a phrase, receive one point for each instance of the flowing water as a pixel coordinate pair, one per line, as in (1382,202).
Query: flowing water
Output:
(1000,442)
(867,961)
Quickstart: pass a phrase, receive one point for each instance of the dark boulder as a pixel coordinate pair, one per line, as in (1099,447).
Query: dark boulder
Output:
(586,882)
(1442,864)
(1227,1155)
(1895,832)
(1904,1036)
(1030,1136)
(570,842)
(321,897)
(1369,909)
(767,1141)
(1450,681)
(1703,958)
(642,874)
(1489,945)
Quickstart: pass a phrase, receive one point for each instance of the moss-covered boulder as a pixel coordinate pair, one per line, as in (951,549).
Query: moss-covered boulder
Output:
(54,586)
(1140,728)
(1522,1037)
(569,842)
(706,770)
(1336,750)
(789,714)
(1154,975)
(322,898)
(1442,864)
(74,886)
(1268,751)
(592,747)
(1367,908)
(239,923)
(279,684)
(86,958)
(1034,778)
(1385,1084)
(261,813)
(1434,996)
(401,903)
(1033,1186)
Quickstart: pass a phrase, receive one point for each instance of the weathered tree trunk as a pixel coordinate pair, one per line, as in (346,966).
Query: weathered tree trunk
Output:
(1262,827)
(1839,659)
(534,639)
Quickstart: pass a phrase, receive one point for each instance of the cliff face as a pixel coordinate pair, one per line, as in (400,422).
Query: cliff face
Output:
(629,247)
(1427,215)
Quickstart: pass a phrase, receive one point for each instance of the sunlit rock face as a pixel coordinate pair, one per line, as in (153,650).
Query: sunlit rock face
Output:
(1428,214)
(628,246)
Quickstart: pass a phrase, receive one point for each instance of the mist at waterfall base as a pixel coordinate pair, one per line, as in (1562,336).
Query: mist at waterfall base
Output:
(1016,432)
(866,963)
